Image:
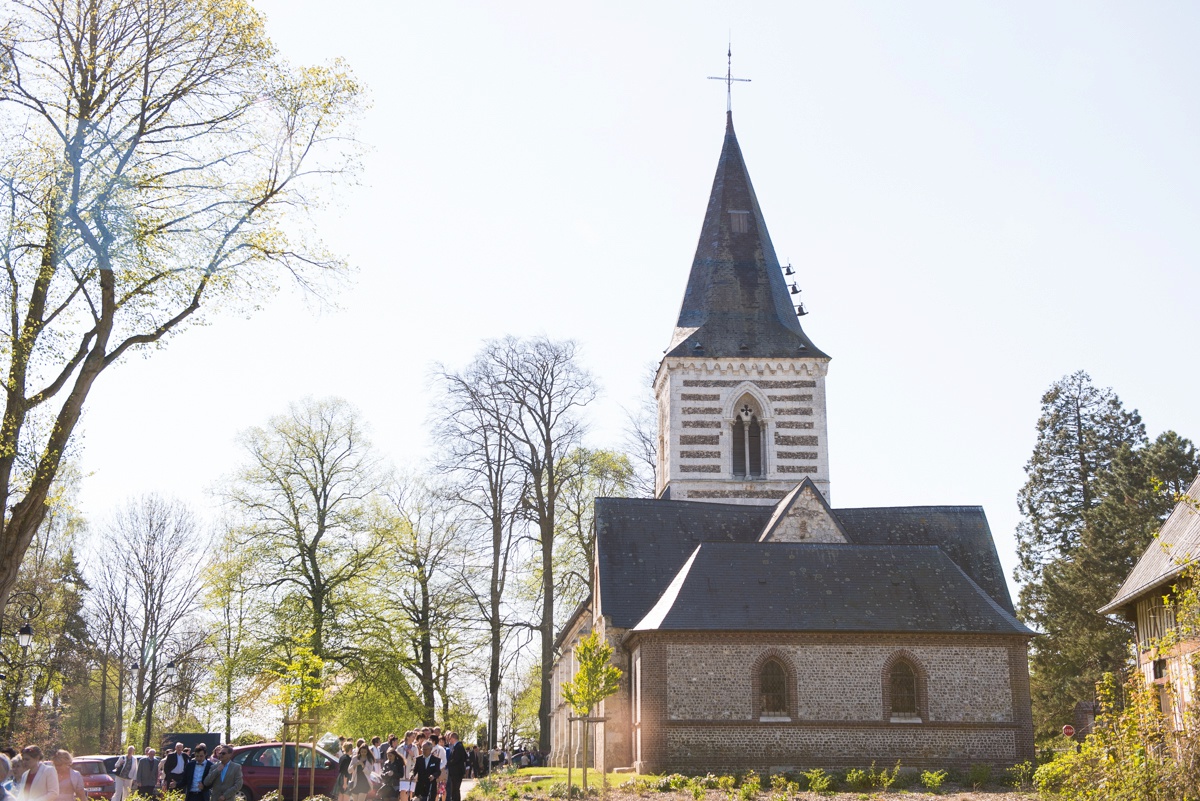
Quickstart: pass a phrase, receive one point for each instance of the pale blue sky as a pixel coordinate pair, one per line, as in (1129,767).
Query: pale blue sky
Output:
(978,198)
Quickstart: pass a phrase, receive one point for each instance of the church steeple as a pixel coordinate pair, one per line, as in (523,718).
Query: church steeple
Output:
(737,303)
(741,389)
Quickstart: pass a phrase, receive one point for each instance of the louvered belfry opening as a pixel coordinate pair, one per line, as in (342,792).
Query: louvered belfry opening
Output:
(904,690)
(773,684)
(747,443)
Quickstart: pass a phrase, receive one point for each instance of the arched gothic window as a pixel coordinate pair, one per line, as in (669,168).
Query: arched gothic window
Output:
(747,440)
(904,690)
(772,682)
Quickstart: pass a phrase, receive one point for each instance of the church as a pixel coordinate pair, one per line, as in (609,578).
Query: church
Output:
(756,624)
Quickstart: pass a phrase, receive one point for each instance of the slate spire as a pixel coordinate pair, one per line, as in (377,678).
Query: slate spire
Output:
(737,303)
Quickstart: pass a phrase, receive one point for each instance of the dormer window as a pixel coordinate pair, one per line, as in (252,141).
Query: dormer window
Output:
(747,441)
(739,222)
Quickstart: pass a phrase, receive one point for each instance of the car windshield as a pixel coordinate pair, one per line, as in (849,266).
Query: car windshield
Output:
(89,768)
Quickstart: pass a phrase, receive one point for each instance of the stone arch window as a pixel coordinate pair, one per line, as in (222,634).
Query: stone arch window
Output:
(748,439)
(774,681)
(905,695)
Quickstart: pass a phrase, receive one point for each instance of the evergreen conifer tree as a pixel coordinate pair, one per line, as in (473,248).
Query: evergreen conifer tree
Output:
(1095,496)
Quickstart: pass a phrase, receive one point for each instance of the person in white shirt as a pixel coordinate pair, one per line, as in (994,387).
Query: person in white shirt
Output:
(125,770)
(39,782)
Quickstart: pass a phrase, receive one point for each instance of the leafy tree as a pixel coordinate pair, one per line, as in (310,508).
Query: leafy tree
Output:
(308,503)
(595,473)
(596,680)
(237,653)
(155,158)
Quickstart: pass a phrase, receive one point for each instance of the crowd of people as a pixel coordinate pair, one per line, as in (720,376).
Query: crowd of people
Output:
(27,777)
(424,765)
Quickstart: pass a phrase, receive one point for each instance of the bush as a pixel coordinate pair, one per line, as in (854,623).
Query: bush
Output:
(978,775)
(884,780)
(818,780)
(932,779)
(857,779)
(751,787)
(1049,779)
(726,783)
(1021,776)
(782,785)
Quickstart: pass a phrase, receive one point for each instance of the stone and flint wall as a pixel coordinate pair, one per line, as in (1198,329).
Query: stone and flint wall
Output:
(695,708)
(697,402)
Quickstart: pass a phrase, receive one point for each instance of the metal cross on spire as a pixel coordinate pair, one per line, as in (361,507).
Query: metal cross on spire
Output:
(728,79)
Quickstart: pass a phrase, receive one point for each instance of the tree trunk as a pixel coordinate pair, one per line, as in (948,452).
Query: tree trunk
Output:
(547,627)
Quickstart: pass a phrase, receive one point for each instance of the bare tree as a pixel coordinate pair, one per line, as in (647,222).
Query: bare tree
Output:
(307,501)
(477,451)
(154,158)
(426,552)
(548,389)
(151,547)
(642,438)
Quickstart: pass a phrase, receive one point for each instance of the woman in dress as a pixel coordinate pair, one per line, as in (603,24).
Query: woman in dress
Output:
(70,781)
(361,765)
(408,753)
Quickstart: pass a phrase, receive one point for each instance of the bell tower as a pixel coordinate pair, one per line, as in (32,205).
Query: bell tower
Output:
(741,389)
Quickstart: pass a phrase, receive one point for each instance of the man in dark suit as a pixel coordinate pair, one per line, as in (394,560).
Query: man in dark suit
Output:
(225,779)
(456,765)
(195,773)
(427,770)
(173,767)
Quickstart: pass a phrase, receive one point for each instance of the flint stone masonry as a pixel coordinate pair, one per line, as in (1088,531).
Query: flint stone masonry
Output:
(784,439)
(700,410)
(839,682)
(792,424)
(773,495)
(792,398)
(794,410)
(806,521)
(688,396)
(700,454)
(700,439)
(797,454)
(701,423)
(797,468)
(708,748)
(700,468)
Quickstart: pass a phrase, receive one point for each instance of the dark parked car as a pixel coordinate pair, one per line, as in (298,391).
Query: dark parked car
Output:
(96,779)
(260,769)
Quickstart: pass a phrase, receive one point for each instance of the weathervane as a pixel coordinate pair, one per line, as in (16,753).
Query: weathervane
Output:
(728,79)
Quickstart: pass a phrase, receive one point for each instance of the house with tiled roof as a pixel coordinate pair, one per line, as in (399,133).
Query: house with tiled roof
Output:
(756,624)
(1148,599)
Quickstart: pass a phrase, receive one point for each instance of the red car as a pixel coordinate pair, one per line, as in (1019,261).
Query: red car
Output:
(96,780)
(260,769)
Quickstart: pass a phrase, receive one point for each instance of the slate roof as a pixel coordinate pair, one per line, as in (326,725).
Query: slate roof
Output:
(642,543)
(737,303)
(783,586)
(1176,546)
